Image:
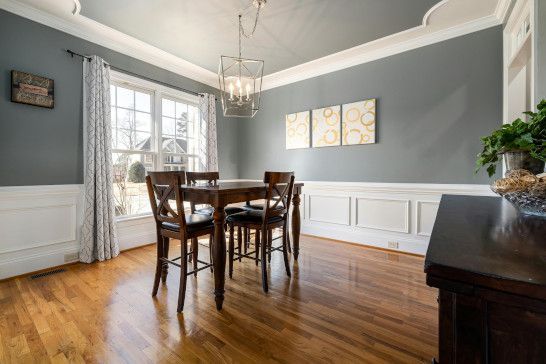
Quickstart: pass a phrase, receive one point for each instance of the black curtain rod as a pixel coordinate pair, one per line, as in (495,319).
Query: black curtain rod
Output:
(72,54)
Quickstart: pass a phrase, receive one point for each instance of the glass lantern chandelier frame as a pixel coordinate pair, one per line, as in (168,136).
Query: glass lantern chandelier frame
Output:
(241,80)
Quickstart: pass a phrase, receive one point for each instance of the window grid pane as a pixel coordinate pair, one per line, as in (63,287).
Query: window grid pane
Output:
(137,150)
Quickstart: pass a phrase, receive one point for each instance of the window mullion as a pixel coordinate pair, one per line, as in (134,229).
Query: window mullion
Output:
(159,129)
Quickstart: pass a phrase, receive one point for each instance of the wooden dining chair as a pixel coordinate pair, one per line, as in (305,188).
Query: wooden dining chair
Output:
(173,223)
(274,215)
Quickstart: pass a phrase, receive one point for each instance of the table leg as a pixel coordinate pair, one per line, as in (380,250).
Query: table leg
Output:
(296,224)
(219,255)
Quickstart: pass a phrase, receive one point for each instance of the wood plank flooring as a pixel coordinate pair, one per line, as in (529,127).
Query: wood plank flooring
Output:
(344,303)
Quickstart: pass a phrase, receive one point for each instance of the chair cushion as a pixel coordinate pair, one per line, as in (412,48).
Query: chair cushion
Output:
(230,210)
(205,210)
(254,207)
(260,206)
(251,216)
(193,222)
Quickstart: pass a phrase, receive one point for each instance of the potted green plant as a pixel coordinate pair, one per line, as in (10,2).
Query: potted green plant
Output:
(523,144)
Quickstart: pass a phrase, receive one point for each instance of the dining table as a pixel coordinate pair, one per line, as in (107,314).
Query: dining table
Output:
(223,193)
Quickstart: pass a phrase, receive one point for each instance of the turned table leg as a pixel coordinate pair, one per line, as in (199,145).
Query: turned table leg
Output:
(219,255)
(296,224)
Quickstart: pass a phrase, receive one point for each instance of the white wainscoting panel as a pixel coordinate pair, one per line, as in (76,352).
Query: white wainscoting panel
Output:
(382,213)
(425,214)
(39,225)
(330,209)
(40,228)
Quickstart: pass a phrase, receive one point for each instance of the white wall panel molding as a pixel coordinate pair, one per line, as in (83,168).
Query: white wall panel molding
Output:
(380,213)
(39,225)
(386,214)
(329,208)
(40,228)
(425,212)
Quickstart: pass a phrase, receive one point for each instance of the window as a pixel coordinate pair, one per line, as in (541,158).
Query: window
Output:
(153,128)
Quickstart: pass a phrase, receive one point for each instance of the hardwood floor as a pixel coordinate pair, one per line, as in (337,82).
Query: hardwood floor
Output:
(344,303)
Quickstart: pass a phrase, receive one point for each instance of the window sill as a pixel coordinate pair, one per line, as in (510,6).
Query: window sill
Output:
(135,218)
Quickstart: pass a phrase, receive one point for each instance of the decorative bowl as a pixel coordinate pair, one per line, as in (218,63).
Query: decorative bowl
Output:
(524,190)
(527,203)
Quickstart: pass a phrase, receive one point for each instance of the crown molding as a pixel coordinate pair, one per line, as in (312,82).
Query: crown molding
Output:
(502,9)
(428,13)
(93,31)
(77,7)
(362,54)
(82,27)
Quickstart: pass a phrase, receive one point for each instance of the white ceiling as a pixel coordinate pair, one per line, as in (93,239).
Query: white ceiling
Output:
(289,32)
(292,37)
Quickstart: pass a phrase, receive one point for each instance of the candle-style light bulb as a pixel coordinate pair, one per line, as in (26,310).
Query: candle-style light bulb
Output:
(231,91)
(248,91)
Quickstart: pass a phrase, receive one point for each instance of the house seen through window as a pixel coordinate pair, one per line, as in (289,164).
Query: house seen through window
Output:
(153,128)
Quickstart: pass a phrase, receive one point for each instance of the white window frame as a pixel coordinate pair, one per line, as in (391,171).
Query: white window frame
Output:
(157,92)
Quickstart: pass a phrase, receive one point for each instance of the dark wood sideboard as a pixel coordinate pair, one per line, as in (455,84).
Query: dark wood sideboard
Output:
(489,264)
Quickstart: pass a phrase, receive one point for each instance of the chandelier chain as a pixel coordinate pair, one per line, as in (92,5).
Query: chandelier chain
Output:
(242,29)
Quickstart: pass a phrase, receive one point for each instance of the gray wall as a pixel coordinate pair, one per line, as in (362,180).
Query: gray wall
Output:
(540,50)
(40,146)
(434,104)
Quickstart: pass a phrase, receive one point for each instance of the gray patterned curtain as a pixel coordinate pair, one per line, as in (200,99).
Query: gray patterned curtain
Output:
(99,240)
(208,143)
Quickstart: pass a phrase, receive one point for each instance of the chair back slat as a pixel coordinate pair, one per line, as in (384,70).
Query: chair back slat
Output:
(195,177)
(279,193)
(209,177)
(164,187)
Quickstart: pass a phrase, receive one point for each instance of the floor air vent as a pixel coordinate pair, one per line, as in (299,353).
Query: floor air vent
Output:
(48,273)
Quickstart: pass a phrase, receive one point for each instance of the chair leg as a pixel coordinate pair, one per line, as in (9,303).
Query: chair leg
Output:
(285,249)
(159,264)
(257,245)
(183,275)
(245,238)
(194,254)
(264,260)
(165,269)
(231,247)
(269,244)
(239,241)
(288,242)
(211,237)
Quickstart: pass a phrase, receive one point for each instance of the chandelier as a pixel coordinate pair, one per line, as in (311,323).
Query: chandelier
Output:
(241,78)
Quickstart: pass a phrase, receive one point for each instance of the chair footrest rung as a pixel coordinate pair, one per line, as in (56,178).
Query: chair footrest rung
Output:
(206,264)
(199,269)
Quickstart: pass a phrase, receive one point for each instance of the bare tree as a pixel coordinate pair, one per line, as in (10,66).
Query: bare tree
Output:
(127,137)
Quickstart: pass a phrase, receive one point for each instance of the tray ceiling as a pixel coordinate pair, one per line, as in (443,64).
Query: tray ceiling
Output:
(289,33)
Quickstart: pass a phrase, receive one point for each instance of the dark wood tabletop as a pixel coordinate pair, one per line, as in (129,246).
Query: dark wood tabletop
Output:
(485,241)
(230,187)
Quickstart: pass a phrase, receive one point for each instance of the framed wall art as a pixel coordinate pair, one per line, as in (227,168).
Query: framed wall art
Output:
(297,130)
(326,127)
(30,89)
(358,125)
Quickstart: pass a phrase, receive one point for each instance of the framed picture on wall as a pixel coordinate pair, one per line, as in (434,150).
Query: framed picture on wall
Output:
(326,127)
(358,126)
(297,130)
(30,89)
